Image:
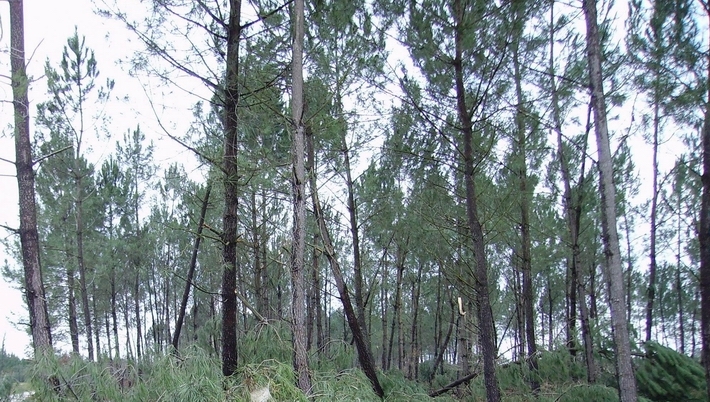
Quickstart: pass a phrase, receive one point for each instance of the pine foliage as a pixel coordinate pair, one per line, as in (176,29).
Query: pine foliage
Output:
(666,375)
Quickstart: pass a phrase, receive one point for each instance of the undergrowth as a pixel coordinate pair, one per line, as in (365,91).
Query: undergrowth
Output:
(195,375)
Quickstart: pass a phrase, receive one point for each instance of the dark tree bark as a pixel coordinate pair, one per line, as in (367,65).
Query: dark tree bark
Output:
(610,237)
(704,235)
(413,361)
(483,304)
(231,196)
(78,205)
(137,309)
(71,296)
(29,239)
(444,343)
(191,269)
(397,314)
(358,282)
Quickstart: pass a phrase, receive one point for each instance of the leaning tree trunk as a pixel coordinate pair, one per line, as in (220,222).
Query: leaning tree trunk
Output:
(612,253)
(191,269)
(363,350)
(29,238)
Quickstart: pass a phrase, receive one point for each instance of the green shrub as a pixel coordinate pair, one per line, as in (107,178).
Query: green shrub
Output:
(666,375)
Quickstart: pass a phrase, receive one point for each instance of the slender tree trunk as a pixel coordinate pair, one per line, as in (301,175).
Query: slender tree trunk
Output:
(586,335)
(413,366)
(629,266)
(127,322)
(627,382)
(107,328)
(191,269)
(71,296)
(256,246)
(78,205)
(137,311)
(97,327)
(397,311)
(384,306)
(524,194)
(704,235)
(651,290)
(298,190)
(354,232)
(439,359)
(483,305)
(29,238)
(678,281)
(231,197)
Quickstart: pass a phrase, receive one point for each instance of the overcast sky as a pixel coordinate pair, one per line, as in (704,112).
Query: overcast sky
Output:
(48,24)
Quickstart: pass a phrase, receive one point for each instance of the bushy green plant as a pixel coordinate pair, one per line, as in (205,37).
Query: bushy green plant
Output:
(268,341)
(589,392)
(666,375)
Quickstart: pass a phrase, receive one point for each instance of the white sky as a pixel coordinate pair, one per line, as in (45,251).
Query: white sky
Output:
(48,24)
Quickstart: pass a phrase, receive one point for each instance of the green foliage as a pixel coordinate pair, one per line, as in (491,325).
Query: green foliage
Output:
(666,375)
(589,392)
(12,374)
(270,341)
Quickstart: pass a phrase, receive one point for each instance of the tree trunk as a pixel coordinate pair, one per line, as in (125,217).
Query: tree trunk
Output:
(413,361)
(586,335)
(298,190)
(354,232)
(439,358)
(78,205)
(71,296)
(259,287)
(97,327)
(704,235)
(651,290)
(483,305)
(396,314)
(191,269)
(29,238)
(678,281)
(137,311)
(363,351)
(231,198)
(627,384)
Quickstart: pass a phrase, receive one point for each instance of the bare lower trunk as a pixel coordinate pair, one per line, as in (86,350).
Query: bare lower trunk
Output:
(231,197)
(78,203)
(29,238)
(298,190)
(612,255)
(483,305)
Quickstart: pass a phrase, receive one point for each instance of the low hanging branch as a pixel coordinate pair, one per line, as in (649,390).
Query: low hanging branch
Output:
(454,384)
